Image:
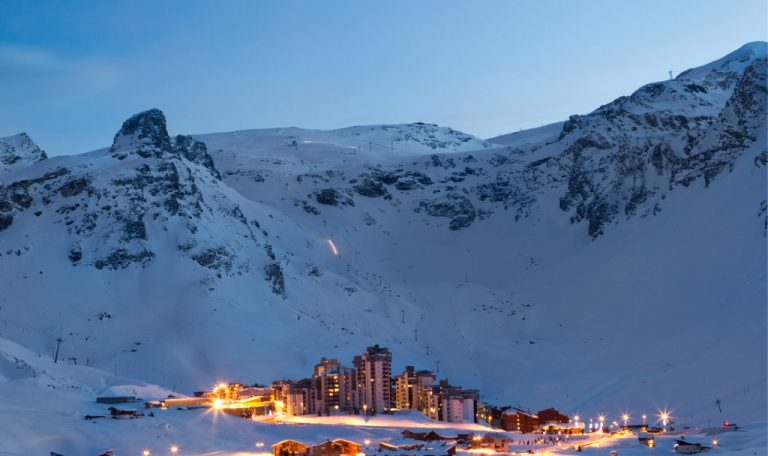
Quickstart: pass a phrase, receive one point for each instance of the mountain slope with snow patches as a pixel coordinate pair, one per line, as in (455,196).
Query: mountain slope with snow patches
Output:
(607,262)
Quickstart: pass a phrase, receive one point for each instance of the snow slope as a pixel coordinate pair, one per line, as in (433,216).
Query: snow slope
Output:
(615,261)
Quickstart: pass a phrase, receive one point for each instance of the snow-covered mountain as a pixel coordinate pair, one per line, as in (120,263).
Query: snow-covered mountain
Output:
(615,260)
(17,151)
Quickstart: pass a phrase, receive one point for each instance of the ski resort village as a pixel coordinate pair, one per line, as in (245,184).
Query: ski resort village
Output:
(383,228)
(364,409)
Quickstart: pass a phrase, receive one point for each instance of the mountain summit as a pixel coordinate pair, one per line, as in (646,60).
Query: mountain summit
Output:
(18,151)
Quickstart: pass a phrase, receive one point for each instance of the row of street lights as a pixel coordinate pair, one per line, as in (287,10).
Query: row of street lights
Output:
(664,419)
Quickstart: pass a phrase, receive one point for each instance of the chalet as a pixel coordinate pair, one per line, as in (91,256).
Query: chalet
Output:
(290,448)
(348,447)
(684,447)
(646,439)
(430,436)
(124,414)
(405,447)
(497,441)
(327,448)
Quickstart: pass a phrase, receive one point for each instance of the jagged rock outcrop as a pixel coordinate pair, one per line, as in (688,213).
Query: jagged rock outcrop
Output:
(18,151)
(114,213)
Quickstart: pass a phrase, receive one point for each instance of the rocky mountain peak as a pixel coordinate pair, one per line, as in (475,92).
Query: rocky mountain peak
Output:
(194,151)
(734,62)
(144,133)
(19,150)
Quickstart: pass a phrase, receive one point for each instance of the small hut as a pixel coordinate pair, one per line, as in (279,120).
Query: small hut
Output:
(327,448)
(348,447)
(290,448)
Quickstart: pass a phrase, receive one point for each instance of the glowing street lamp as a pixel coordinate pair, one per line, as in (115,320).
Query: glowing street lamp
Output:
(664,416)
(174,449)
(145,453)
(367,442)
(625,418)
(645,418)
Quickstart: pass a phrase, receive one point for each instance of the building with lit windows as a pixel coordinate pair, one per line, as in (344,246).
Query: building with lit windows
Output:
(334,387)
(411,387)
(374,378)
(519,420)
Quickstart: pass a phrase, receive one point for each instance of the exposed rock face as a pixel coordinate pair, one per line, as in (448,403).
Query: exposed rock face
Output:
(617,162)
(18,151)
(114,213)
(194,151)
(144,134)
(457,208)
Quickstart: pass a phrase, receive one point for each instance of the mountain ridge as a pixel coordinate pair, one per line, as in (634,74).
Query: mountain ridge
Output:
(212,259)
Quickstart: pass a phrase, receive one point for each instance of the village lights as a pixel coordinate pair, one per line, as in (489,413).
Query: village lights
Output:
(145,453)
(174,449)
(259,444)
(367,442)
(664,416)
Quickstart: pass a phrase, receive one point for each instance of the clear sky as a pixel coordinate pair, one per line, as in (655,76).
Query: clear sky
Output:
(72,71)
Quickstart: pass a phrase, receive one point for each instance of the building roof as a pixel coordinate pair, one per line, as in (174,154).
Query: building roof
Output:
(431,435)
(346,441)
(289,441)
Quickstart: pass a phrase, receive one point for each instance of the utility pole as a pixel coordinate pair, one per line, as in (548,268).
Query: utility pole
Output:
(403,312)
(370,147)
(438,366)
(670,75)
(427,350)
(415,335)
(58,343)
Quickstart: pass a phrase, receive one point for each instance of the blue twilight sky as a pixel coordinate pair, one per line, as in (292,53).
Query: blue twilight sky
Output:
(72,71)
